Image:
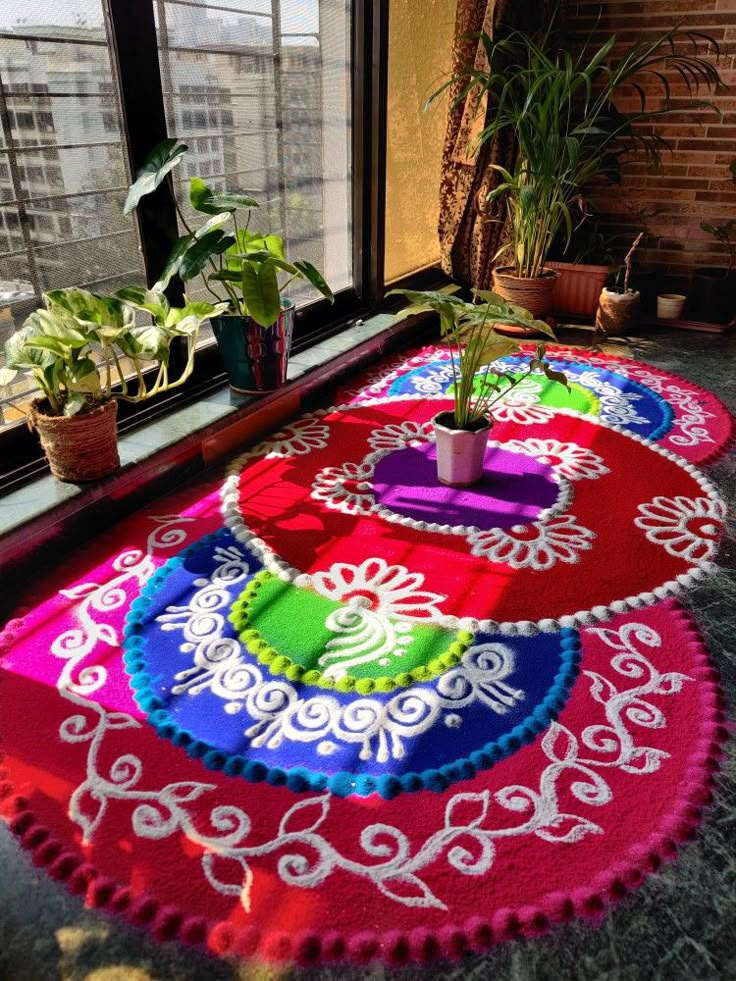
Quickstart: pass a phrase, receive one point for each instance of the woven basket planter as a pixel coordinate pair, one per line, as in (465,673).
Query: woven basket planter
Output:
(578,288)
(617,312)
(534,295)
(81,447)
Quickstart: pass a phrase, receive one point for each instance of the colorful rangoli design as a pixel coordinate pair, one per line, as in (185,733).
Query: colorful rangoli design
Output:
(331,710)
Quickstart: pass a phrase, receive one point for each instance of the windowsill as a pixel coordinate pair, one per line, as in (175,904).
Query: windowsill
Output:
(163,453)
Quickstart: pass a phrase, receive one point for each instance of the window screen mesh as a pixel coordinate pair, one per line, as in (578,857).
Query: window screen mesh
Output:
(63,168)
(260,92)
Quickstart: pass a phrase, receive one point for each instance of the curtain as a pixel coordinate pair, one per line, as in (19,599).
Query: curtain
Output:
(471,231)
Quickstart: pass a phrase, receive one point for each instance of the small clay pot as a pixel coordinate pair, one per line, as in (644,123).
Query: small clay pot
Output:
(460,452)
(670,306)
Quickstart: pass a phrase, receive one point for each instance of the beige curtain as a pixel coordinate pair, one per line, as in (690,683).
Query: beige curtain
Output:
(470,232)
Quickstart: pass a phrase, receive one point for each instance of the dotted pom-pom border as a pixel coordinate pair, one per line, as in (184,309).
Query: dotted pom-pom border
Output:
(301,779)
(476,935)
(230,498)
(281,664)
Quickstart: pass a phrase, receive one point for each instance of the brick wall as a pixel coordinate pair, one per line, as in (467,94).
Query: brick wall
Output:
(693,184)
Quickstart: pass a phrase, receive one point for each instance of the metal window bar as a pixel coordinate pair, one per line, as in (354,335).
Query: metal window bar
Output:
(221,8)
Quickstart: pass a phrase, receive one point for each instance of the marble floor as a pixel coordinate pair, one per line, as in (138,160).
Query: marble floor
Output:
(680,925)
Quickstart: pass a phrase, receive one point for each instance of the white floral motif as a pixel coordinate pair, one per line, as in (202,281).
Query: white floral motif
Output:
(376,585)
(298,438)
(539,545)
(347,488)
(397,436)
(309,858)
(522,405)
(281,713)
(688,528)
(569,460)
(374,622)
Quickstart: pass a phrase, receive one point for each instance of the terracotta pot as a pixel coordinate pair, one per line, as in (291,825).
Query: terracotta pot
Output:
(81,447)
(533,294)
(617,312)
(578,288)
(460,452)
(256,358)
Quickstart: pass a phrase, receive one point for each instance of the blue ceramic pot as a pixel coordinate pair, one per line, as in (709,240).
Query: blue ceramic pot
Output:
(255,357)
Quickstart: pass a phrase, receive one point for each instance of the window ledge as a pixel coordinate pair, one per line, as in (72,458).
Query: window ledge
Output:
(161,454)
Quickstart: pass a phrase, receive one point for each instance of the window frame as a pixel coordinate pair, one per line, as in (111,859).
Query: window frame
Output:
(137,76)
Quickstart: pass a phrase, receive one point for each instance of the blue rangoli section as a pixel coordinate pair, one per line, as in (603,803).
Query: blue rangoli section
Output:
(201,688)
(625,403)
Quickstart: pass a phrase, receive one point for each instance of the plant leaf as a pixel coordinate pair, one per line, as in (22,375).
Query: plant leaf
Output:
(171,268)
(260,289)
(160,161)
(315,277)
(198,254)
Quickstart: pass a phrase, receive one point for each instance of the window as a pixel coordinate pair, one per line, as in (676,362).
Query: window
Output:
(276,98)
(48,87)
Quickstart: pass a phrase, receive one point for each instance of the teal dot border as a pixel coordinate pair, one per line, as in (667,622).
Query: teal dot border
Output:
(301,779)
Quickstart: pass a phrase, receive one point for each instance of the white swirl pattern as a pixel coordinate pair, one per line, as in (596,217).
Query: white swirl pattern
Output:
(576,766)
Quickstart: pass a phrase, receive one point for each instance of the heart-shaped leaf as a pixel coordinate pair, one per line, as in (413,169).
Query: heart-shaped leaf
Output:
(162,159)
(260,289)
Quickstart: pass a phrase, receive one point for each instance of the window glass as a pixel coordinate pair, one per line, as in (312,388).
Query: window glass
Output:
(63,168)
(260,92)
(415,137)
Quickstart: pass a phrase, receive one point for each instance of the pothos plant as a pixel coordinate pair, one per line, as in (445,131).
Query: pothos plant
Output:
(58,342)
(248,268)
(468,330)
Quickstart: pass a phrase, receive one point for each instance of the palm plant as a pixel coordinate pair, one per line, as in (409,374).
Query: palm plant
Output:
(560,108)
(468,329)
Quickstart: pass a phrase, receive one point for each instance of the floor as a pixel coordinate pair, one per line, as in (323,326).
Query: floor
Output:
(680,925)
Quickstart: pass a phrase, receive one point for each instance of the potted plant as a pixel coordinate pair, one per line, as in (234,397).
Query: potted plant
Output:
(581,277)
(77,348)
(618,307)
(247,270)
(559,110)
(713,290)
(469,330)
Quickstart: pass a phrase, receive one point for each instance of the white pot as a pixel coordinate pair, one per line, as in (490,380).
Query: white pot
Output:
(669,306)
(460,452)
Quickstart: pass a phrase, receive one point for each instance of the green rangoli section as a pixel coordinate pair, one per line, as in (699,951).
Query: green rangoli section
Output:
(311,639)
(551,394)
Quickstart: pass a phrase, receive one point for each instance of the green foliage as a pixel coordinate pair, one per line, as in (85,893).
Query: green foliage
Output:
(468,329)
(245,265)
(559,107)
(56,343)
(159,163)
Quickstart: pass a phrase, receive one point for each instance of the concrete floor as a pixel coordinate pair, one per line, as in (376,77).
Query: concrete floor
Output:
(680,925)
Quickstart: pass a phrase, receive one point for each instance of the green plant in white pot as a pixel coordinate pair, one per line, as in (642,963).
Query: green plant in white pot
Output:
(469,331)
(247,269)
(82,349)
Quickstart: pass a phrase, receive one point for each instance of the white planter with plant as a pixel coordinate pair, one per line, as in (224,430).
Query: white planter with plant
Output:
(248,270)
(469,331)
(57,345)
